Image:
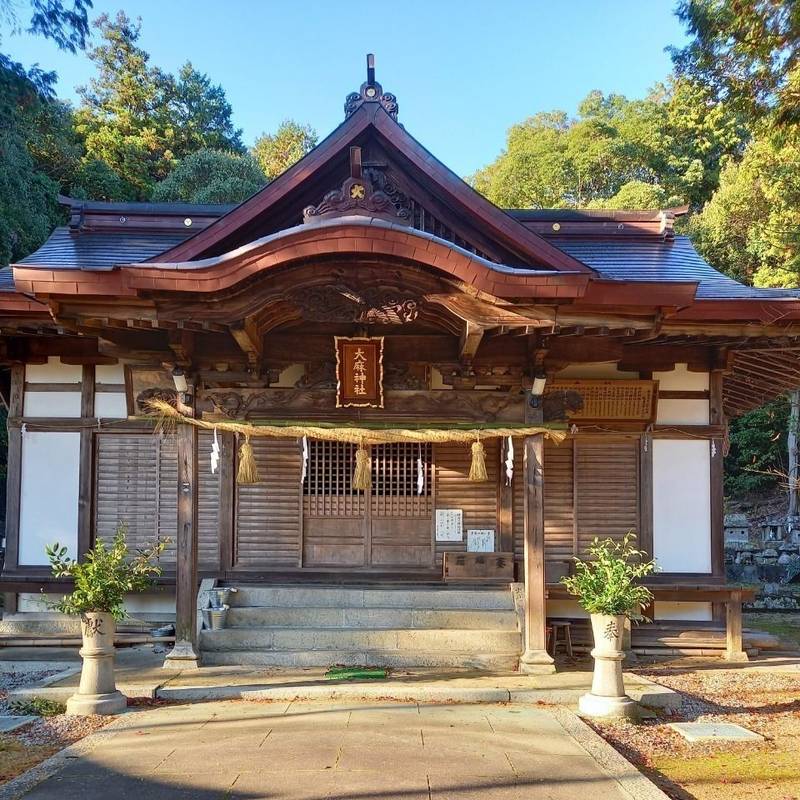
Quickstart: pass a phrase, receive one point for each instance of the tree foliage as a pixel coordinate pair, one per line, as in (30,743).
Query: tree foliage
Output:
(140,120)
(212,176)
(276,152)
(751,226)
(757,449)
(746,53)
(672,141)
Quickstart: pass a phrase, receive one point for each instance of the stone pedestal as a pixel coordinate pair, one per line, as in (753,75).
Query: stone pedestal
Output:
(97,692)
(608,698)
(182,656)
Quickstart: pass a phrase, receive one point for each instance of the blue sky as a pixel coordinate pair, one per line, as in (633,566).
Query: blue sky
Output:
(463,72)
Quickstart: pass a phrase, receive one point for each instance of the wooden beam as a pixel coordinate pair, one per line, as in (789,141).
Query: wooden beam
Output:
(184,654)
(249,341)
(469,341)
(535,659)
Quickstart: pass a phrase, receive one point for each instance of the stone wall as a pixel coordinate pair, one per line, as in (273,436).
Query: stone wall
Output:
(773,567)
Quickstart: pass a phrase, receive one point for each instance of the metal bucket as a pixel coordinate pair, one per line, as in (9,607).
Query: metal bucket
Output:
(215,618)
(220,597)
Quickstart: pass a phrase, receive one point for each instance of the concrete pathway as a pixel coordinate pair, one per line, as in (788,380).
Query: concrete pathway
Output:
(311,751)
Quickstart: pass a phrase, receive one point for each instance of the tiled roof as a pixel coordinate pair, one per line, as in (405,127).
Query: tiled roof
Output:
(650,259)
(66,249)
(624,258)
(7,280)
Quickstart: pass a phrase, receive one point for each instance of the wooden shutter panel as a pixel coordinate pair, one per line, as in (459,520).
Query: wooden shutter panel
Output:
(454,489)
(268,514)
(136,484)
(559,500)
(207,504)
(607,480)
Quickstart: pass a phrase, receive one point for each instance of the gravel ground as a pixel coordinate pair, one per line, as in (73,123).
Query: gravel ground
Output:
(42,737)
(763,701)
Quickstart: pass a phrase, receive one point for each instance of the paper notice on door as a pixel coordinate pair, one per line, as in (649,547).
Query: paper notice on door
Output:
(449,525)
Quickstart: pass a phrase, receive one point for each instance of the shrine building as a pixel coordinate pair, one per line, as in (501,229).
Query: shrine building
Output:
(386,411)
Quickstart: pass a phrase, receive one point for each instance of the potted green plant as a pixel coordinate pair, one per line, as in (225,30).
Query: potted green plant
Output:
(101,581)
(608,586)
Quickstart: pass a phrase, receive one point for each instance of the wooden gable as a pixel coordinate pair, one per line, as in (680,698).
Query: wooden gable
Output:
(430,196)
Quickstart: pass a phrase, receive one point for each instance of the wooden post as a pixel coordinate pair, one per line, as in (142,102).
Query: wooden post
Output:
(184,653)
(86,462)
(794,462)
(16,403)
(505,504)
(535,659)
(717,417)
(227,496)
(733,629)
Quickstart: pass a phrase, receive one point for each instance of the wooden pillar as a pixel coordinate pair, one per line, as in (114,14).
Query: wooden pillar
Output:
(535,659)
(734,650)
(505,503)
(184,653)
(16,402)
(227,497)
(716,416)
(86,462)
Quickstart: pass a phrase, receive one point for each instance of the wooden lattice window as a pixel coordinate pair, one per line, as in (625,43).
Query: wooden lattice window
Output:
(330,469)
(395,470)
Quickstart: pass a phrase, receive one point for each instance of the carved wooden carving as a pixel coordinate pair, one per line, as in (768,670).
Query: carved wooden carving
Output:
(486,406)
(342,303)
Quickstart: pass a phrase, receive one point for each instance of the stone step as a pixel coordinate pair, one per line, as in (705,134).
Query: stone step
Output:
(327,617)
(356,639)
(482,660)
(368,597)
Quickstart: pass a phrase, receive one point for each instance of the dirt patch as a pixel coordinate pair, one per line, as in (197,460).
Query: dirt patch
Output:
(766,702)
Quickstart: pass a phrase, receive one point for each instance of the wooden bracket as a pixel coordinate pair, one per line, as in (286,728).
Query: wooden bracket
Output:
(249,341)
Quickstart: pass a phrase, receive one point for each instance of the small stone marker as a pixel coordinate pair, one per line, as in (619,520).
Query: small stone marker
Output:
(722,731)
(10,723)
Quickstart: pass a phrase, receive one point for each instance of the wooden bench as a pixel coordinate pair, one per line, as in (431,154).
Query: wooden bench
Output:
(731,597)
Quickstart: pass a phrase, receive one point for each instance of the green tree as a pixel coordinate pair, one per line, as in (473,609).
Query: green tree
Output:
(276,152)
(37,145)
(212,176)
(757,448)
(141,120)
(747,53)
(750,228)
(672,140)
(121,117)
(200,115)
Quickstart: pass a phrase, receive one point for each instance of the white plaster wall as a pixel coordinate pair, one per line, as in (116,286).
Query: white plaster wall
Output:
(681,380)
(53,372)
(290,375)
(52,404)
(682,505)
(105,373)
(596,370)
(49,494)
(693,612)
(682,412)
(110,404)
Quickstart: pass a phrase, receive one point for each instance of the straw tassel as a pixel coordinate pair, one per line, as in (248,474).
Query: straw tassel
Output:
(362,477)
(248,471)
(477,470)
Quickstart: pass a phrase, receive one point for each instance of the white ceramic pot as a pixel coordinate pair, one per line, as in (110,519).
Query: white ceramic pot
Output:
(97,693)
(608,698)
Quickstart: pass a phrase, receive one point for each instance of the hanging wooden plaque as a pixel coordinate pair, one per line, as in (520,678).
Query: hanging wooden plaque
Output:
(359,372)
